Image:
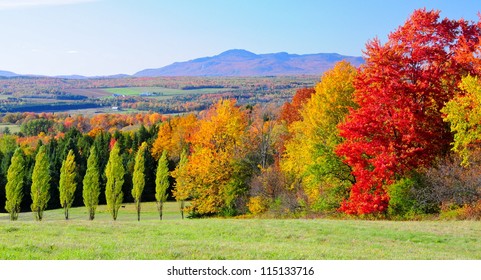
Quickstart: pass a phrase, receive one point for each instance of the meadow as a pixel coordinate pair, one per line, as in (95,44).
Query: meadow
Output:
(12,127)
(230,239)
(162,91)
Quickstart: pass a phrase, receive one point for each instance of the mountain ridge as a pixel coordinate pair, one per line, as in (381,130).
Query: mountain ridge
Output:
(8,74)
(239,62)
(234,62)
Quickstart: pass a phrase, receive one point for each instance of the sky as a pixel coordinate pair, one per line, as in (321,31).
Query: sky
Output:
(106,37)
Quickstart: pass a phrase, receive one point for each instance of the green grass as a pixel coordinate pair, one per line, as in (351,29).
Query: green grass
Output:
(173,238)
(164,91)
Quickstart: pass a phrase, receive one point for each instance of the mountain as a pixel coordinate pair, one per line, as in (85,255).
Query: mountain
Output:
(245,63)
(8,74)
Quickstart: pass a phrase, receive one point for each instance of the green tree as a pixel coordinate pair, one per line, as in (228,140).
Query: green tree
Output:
(15,181)
(40,183)
(181,192)
(138,177)
(162,182)
(67,184)
(91,184)
(114,172)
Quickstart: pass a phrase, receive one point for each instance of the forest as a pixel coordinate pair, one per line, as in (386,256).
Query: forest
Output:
(397,138)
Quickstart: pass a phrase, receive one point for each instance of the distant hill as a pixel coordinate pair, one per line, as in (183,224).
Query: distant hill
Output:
(245,63)
(8,74)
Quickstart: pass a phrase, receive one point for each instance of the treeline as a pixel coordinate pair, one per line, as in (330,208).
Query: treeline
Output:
(81,146)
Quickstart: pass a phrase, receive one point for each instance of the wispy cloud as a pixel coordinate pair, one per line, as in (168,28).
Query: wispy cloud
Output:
(72,52)
(22,4)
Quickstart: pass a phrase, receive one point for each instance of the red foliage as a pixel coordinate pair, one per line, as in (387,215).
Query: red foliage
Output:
(290,111)
(400,90)
(112,143)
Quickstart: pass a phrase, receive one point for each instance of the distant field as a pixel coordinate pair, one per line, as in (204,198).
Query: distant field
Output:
(173,238)
(13,127)
(163,91)
(91,93)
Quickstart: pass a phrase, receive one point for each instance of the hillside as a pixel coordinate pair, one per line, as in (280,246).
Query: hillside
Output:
(7,74)
(245,63)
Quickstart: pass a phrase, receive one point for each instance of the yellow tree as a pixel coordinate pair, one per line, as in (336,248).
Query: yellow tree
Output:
(309,158)
(463,112)
(216,147)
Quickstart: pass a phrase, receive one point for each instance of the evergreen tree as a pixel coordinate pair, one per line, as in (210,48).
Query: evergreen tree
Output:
(91,184)
(67,184)
(114,172)
(54,149)
(101,144)
(40,184)
(162,182)
(14,187)
(138,177)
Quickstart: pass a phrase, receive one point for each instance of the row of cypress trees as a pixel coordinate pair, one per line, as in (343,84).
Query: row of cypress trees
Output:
(114,171)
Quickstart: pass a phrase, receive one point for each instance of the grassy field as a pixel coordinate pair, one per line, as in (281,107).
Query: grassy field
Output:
(163,91)
(173,238)
(13,127)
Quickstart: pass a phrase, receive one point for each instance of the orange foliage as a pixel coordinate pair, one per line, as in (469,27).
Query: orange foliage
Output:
(173,136)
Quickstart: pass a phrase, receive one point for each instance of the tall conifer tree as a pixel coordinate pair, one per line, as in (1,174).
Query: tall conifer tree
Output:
(138,178)
(162,182)
(114,172)
(91,184)
(15,181)
(67,184)
(40,183)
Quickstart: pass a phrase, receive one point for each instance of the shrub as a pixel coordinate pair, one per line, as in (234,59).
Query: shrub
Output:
(273,194)
(466,212)
(452,185)
(257,205)
(411,197)
(402,202)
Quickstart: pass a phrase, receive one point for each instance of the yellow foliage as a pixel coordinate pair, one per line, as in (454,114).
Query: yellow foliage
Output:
(257,205)
(215,146)
(464,115)
(315,136)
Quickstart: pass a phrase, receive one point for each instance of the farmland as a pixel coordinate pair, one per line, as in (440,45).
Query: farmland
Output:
(173,238)
(161,94)
(162,91)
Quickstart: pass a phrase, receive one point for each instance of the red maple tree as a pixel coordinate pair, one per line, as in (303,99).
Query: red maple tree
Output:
(400,90)
(290,111)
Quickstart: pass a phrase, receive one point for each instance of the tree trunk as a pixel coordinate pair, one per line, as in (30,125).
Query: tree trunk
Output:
(182,209)
(91,213)
(137,205)
(161,204)
(66,212)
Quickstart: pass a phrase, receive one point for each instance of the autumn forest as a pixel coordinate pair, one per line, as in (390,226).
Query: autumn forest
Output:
(396,138)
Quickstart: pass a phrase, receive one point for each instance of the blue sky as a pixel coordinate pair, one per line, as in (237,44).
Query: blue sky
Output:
(104,37)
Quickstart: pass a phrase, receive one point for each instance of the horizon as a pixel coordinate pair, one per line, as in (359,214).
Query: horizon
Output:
(106,37)
(140,70)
